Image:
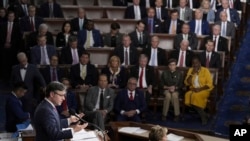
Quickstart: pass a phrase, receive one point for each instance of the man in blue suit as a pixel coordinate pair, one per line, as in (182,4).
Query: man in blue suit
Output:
(130,102)
(152,24)
(51,9)
(90,37)
(41,53)
(14,110)
(198,25)
(47,123)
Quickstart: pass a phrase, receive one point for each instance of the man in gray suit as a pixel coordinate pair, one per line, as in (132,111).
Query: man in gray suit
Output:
(230,28)
(99,102)
(184,11)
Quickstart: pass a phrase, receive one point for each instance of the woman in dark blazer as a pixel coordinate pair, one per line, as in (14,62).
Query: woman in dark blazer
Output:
(114,38)
(117,76)
(62,37)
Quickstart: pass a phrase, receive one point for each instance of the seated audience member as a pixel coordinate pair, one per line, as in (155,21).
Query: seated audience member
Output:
(69,102)
(156,55)
(14,109)
(171,4)
(62,37)
(200,84)
(135,11)
(117,76)
(158,133)
(51,9)
(3,17)
(194,4)
(235,4)
(90,37)
(147,3)
(128,54)
(172,25)
(171,83)
(186,35)
(114,38)
(208,12)
(83,75)
(42,30)
(140,37)
(184,11)
(28,73)
(183,55)
(79,22)
(31,22)
(227,27)
(209,58)
(120,3)
(151,22)
(20,8)
(70,54)
(130,102)
(52,72)
(41,53)
(47,122)
(198,25)
(232,14)
(220,42)
(144,74)
(99,102)
(161,12)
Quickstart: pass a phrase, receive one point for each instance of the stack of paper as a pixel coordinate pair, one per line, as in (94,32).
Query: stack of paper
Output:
(132,130)
(85,135)
(173,137)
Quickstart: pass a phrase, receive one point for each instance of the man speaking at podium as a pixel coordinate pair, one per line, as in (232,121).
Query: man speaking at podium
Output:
(48,125)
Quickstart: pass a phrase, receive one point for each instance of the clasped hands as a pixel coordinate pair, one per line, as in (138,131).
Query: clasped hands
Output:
(130,113)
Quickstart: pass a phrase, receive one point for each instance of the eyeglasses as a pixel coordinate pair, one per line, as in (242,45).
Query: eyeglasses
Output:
(134,84)
(62,95)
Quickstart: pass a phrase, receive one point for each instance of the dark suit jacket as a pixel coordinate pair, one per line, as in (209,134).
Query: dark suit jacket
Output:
(120,3)
(48,125)
(156,25)
(235,18)
(121,77)
(47,74)
(151,2)
(167,23)
(149,74)
(14,113)
(92,95)
(230,29)
(222,44)
(161,55)
(75,24)
(36,53)
(129,12)
(91,77)
(196,3)
(135,40)
(25,23)
(97,37)
(107,39)
(32,39)
(192,38)
(164,13)
(214,60)
(60,39)
(205,29)
(122,99)
(44,10)
(66,55)
(175,3)
(18,9)
(189,55)
(133,54)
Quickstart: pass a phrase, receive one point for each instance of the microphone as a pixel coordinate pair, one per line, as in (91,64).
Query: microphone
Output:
(73,112)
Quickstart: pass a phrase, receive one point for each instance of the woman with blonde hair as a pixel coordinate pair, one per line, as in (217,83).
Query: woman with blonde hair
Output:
(158,133)
(208,13)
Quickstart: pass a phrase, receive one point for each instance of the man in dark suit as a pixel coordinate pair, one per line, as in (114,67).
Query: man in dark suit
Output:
(79,23)
(183,55)
(120,3)
(194,4)
(135,11)
(170,4)
(186,35)
(47,123)
(3,17)
(70,54)
(172,25)
(52,72)
(51,9)
(199,26)
(147,3)
(30,75)
(161,12)
(84,74)
(130,102)
(128,54)
(152,24)
(30,22)
(156,55)
(140,37)
(99,102)
(41,53)
(209,58)
(90,37)
(14,110)
(20,8)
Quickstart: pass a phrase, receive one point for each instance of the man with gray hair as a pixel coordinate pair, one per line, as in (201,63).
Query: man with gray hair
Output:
(199,25)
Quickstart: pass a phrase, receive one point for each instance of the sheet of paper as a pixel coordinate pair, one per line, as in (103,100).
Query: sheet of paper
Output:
(128,129)
(140,131)
(84,135)
(25,128)
(174,137)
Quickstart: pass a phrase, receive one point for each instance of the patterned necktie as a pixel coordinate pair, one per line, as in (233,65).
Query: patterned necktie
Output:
(43,56)
(83,72)
(182,59)
(141,78)
(101,101)
(53,74)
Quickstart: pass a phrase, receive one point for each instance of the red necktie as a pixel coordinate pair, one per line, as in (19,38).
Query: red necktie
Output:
(131,96)
(54,74)
(182,59)
(207,61)
(140,78)
(64,105)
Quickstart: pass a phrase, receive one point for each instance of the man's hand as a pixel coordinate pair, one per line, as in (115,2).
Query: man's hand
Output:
(73,119)
(130,113)
(79,127)
(104,113)
(171,89)
(65,113)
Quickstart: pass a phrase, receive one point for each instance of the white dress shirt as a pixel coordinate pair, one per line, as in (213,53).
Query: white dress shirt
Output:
(23,72)
(81,21)
(147,3)
(198,27)
(182,14)
(216,43)
(47,62)
(158,13)
(137,12)
(209,55)
(184,58)
(228,14)
(153,61)
(76,59)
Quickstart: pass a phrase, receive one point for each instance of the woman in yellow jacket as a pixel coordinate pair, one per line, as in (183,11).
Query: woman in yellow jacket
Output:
(200,84)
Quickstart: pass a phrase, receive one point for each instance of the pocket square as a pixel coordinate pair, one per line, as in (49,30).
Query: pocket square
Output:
(156,25)
(108,96)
